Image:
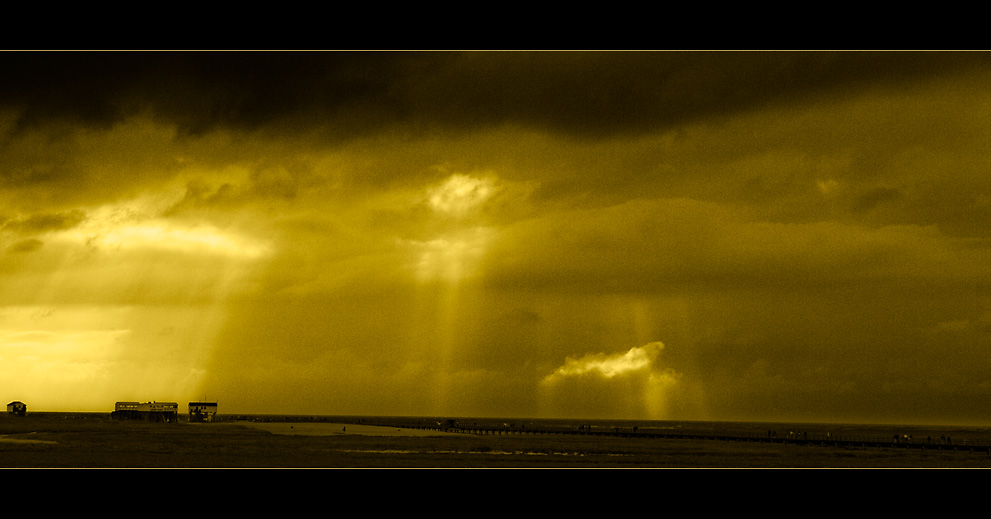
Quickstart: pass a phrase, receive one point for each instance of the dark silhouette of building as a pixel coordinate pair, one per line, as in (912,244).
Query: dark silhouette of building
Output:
(17,408)
(202,411)
(167,412)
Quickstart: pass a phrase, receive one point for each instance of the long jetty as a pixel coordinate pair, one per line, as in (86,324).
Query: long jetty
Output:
(801,438)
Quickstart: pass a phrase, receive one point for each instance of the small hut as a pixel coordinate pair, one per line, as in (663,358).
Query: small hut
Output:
(17,408)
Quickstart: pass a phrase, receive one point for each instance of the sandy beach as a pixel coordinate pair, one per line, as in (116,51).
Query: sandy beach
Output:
(52,440)
(21,439)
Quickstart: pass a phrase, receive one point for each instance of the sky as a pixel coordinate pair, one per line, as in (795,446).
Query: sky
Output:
(663,235)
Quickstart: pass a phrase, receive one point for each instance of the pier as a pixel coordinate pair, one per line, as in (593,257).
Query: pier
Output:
(794,438)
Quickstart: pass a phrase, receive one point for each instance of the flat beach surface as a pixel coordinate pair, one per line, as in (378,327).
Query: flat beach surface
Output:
(94,441)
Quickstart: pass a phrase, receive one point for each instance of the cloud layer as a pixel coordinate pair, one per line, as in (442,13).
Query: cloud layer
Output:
(662,235)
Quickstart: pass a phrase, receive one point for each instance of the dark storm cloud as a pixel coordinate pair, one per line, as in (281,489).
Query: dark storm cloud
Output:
(44,222)
(594,92)
(194,90)
(642,246)
(354,92)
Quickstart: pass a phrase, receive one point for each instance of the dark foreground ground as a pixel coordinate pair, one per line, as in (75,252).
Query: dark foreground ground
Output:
(54,441)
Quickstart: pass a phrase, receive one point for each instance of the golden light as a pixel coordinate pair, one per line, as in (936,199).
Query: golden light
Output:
(165,235)
(628,383)
(443,264)
(452,258)
(56,362)
(608,366)
(460,194)
(455,252)
(121,306)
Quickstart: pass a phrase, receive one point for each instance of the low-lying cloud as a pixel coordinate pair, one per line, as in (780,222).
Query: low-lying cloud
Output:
(625,384)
